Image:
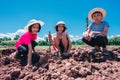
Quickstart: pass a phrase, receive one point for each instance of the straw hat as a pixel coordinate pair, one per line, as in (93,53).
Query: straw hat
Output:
(59,23)
(94,10)
(34,21)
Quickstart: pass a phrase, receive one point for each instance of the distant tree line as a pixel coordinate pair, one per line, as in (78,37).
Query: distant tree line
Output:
(10,42)
(114,41)
(6,41)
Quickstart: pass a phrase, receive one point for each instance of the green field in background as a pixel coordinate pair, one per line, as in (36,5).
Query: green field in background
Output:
(51,46)
(2,48)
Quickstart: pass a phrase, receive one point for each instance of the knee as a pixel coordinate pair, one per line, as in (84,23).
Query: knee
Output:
(56,41)
(100,36)
(84,40)
(22,50)
(64,40)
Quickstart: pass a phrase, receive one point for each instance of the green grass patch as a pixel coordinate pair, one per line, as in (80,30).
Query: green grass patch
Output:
(42,46)
(76,45)
(113,45)
(51,46)
(2,48)
(8,43)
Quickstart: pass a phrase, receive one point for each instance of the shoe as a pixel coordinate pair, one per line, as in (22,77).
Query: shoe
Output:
(13,55)
(66,55)
(96,50)
(105,52)
(57,53)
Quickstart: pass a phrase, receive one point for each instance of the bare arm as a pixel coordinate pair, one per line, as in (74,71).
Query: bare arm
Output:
(29,54)
(70,45)
(86,34)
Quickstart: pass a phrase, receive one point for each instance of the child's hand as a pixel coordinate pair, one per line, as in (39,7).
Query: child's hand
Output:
(90,36)
(86,35)
(28,66)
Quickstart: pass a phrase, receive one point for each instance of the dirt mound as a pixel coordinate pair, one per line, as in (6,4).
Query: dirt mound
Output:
(7,51)
(81,65)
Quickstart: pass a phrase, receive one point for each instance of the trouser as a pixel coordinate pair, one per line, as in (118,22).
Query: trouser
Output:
(99,40)
(23,49)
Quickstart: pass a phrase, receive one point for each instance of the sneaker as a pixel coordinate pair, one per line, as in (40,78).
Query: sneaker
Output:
(95,50)
(57,53)
(13,55)
(66,55)
(105,52)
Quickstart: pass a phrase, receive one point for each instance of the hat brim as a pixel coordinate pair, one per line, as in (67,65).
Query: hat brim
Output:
(36,22)
(94,10)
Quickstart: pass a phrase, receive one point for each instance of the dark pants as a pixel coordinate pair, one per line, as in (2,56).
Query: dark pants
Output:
(23,52)
(23,49)
(99,40)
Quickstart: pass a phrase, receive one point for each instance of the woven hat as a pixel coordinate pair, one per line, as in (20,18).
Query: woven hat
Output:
(34,21)
(60,23)
(95,10)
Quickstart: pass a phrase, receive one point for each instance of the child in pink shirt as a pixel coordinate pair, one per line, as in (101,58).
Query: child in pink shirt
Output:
(26,43)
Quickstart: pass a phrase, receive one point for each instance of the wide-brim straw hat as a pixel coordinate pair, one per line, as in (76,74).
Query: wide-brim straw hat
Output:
(33,21)
(95,10)
(60,23)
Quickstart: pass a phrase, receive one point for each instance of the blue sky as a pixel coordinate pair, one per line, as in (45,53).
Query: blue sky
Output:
(14,14)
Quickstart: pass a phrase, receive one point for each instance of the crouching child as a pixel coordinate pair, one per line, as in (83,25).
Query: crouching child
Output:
(96,33)
(25,45)
(61,39)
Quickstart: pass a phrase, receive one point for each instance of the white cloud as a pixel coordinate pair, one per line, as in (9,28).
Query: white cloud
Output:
(12,35)
(40,38)
(113,36)
(74,37)
(21,31)
(18,32)
(110,36)
(3,35)
(117,35)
